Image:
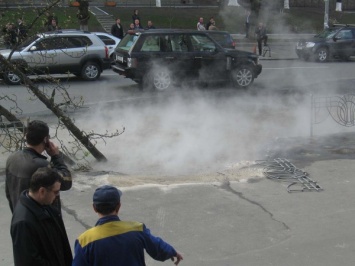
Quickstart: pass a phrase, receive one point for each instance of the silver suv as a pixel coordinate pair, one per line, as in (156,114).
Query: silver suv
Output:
(69,51)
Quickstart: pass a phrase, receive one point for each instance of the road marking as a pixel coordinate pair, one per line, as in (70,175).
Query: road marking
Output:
(101,10)
(315,67)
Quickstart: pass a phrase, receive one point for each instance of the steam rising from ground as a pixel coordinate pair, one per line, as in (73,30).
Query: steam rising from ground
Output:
(194,132)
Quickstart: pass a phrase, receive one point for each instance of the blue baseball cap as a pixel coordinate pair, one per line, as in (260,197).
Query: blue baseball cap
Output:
(107,195)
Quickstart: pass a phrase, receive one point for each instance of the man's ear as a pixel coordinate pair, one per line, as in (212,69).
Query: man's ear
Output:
(118,207)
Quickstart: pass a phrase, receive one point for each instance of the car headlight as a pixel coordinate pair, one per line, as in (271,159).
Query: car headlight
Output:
(310,44)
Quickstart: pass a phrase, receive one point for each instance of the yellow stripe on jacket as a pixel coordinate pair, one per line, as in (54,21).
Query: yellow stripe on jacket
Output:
(108,229)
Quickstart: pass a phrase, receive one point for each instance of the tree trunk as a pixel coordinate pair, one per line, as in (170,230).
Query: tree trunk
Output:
(78,134)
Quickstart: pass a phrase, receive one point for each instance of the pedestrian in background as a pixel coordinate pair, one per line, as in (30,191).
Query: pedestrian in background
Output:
(247,23)
(213,26)
(10,36)
(37,229)
(21,31)
(54,26)
(200,25)
(131,26)
(150,25)
(137,24)
(209,23)
(261,36)
(23,163)
(135,15)
(116,242)
(117,29)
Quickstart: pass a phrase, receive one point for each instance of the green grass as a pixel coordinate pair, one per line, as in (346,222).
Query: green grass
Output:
(231,18)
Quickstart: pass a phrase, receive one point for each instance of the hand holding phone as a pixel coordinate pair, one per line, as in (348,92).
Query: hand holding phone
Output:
(50,147)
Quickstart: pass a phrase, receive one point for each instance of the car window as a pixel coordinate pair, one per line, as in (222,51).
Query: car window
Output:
(107,40)
(47,44)
(79,41)
(202,43)
(151,44)
(345,34)
(179,43)
(127,42)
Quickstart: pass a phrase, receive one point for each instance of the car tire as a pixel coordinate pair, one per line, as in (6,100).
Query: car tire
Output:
(11,78)
(322,54)
(90,71)
(161,80)
(242,77)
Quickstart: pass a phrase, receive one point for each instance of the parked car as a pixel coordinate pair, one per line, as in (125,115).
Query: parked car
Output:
(223,38)
(160,58)
(66,51)
(110,41)
(337,41)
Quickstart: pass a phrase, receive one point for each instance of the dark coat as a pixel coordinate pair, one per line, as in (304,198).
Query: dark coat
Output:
(38,235)
(22,164)
(117,31)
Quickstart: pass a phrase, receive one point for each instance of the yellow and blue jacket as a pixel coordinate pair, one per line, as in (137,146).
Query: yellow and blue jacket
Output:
(119,243)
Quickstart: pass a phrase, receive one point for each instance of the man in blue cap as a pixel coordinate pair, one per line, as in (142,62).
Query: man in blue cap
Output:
(116,242)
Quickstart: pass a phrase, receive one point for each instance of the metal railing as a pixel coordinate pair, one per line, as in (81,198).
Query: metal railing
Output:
(340,108)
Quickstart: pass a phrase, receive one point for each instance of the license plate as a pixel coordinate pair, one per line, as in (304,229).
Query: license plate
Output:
(299,47)
(119,58)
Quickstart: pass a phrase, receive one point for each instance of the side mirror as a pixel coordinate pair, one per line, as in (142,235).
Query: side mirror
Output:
(33,48)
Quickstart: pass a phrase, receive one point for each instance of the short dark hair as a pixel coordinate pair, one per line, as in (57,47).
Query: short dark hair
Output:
(105,208)
(44,177)
(36,132)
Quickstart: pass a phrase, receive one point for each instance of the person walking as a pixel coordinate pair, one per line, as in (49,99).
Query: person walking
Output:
(117,29)
(261,36)
(116,242)
(37,229)
(200,25)
(23,163)
(247,24)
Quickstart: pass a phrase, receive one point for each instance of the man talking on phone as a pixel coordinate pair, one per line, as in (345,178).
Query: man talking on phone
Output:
(23,163)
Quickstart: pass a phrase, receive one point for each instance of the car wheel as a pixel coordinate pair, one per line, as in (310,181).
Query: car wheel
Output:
(322,54)
(90,71)
(11,78)
(242,77)
(161,80)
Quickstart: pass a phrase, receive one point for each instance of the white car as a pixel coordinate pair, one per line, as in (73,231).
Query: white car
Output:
(109,40)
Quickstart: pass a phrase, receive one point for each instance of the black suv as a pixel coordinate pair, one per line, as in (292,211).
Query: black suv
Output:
(66,51)
(337,41)
(160,58)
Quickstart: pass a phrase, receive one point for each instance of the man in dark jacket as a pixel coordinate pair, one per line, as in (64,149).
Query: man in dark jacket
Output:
(261,36)
(23,163)
(117,29)
(37,229)
(116,242)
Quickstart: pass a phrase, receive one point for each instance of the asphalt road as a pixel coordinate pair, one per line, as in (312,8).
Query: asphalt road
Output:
(186,168)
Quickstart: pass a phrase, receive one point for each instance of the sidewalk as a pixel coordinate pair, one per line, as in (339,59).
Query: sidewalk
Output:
(282,46)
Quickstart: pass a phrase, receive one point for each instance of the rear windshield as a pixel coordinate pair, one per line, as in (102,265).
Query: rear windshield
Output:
(127,42)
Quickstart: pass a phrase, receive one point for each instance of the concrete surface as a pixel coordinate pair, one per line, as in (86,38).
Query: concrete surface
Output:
(240,223)
(251,222)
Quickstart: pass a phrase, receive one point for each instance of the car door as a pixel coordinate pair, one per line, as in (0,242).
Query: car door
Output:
(165,51)
(209,58)
(344,42)
(42,56)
